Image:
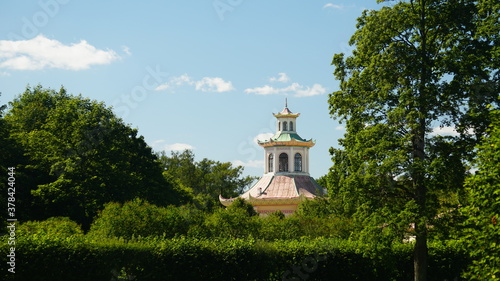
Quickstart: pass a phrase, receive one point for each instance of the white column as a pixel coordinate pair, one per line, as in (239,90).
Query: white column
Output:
(306,159)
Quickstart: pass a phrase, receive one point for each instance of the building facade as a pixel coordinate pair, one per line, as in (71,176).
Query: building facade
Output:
(286,180)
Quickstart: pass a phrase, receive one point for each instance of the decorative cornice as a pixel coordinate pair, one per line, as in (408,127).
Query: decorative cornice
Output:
(276,201)
(266,201)
(292,142)
(288,115)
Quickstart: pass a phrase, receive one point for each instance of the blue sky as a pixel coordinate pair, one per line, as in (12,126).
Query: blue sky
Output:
(203,75)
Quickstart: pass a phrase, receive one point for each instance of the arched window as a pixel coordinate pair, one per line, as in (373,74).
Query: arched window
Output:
(291,126)
(284,126)
(270,163)
(283,165)
(298,162)
(279,126)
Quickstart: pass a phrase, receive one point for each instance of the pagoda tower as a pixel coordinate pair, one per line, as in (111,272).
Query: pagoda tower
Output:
(286,180)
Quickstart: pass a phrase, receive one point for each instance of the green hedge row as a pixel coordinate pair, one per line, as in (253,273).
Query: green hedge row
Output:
(79,258)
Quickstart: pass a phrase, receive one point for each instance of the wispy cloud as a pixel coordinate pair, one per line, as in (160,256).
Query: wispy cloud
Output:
(339,7)
(163,87)
(282,77)
(340,128)
(262,137)
(3,73)
(178,147)
(41,52)
(205,84)
(213,84)
(160,145)
(333,6)
(315,90)
(126,50)
(294,89)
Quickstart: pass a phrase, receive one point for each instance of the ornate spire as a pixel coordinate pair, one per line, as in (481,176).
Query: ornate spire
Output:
(286,112)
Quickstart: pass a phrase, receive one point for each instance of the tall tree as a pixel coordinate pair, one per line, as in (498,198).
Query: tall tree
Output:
(416,66)
(205,180)
(11,156)
(82,156)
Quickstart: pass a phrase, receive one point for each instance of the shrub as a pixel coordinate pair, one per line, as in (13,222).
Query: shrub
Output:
(232,222)
(139,218)
(149,259)
(60,227)
(242,204)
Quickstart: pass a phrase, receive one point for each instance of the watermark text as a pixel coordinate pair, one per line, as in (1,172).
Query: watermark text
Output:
(11,220)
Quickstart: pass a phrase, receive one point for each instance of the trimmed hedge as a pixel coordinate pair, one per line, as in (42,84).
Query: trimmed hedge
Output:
(79,258)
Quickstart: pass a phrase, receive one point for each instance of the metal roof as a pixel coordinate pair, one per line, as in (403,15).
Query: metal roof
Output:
(276,188)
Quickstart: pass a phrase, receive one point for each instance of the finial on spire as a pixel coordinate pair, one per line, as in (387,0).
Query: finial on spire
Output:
(286,102)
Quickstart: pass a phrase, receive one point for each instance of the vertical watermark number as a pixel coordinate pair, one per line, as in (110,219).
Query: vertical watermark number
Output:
(11,218)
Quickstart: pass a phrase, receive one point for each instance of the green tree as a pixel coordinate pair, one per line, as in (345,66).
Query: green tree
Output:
(139,218)
(416,65)
(205,180)
(4,152)
(81,156)
(242,204)
(238,221)
(11,156)
(482,235)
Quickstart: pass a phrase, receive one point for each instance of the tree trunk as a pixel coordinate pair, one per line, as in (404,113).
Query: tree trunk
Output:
(420,249)
(420,253)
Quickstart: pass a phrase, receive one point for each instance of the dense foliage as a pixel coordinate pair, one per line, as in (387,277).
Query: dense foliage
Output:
(482,232)
(202,182)
(99,204)
(76,257)
(138,218)
(80,156)
(10,156)
(416,66)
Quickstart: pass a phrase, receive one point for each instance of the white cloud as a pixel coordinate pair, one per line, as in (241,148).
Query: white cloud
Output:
(316,89)
(340,128)
(157,142)
(333,6)
(444,131)
(3,73)
(205,84)
(163,87)
(126,50)
(177,147)
(181,80)
(448,131)
(294,89)
(264,90)
(251,163)
(282,77)
(262,137)
(160,145)
(175,81)
(213,84)
(41,52)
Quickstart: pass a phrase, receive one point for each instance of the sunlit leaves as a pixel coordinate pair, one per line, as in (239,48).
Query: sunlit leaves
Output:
(483,226)
(81,155)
